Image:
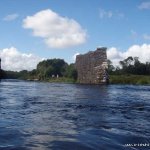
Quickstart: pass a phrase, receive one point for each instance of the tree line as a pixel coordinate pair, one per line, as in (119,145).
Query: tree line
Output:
(130,65)
(52,68)
(46,69)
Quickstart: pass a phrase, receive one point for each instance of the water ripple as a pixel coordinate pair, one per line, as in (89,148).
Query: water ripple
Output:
(43,116)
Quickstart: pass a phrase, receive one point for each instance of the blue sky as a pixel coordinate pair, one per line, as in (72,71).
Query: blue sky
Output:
(120,25)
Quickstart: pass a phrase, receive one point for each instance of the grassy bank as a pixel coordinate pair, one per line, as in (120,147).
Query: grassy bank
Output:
(114,79)
(61,80)
(130,79)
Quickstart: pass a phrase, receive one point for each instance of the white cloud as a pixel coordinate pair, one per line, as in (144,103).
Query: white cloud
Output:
(110,14)
(11,17)
(14,60)
(114,55)
(146,37)
(141,51)
(74,56)
(57,31)
(105,14)
(144,5)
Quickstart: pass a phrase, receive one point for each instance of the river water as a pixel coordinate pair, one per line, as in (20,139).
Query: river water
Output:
(55,116)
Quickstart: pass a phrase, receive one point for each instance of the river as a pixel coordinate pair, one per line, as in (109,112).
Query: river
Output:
(57,116)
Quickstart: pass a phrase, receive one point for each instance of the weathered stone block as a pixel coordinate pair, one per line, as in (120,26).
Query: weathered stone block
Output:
(91,67)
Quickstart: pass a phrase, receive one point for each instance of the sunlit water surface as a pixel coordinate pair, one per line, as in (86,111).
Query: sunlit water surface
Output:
(45,116)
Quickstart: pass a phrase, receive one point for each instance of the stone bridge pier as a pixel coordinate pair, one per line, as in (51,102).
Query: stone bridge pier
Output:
(91,67)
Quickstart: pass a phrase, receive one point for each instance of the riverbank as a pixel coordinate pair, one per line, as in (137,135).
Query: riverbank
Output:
(60,80)
(130,79)
(114,79)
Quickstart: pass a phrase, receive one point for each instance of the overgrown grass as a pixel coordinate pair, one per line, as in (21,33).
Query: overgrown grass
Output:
(130,79)
(114,79)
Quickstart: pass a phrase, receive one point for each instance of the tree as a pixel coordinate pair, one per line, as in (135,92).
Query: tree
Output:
(110,66)
(128,61)
(71,72)
(50,67)
(2,74)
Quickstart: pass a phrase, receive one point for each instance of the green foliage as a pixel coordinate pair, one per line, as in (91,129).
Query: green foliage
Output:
(62,80)
(132,71)
(132,65)
(47,68)
(11,75)
(2,74)
(23,74)
(129,79)
(71,72)
(110,67)
(58,68)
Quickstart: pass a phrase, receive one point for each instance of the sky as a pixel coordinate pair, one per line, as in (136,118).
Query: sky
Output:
(34,30)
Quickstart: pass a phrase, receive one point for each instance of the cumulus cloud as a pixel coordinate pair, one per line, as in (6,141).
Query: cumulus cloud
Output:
(11,17)
(57,31)
(144,5)
(14,60)
(141,51)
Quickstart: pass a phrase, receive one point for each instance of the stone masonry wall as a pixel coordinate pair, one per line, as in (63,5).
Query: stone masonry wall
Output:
(91,66)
